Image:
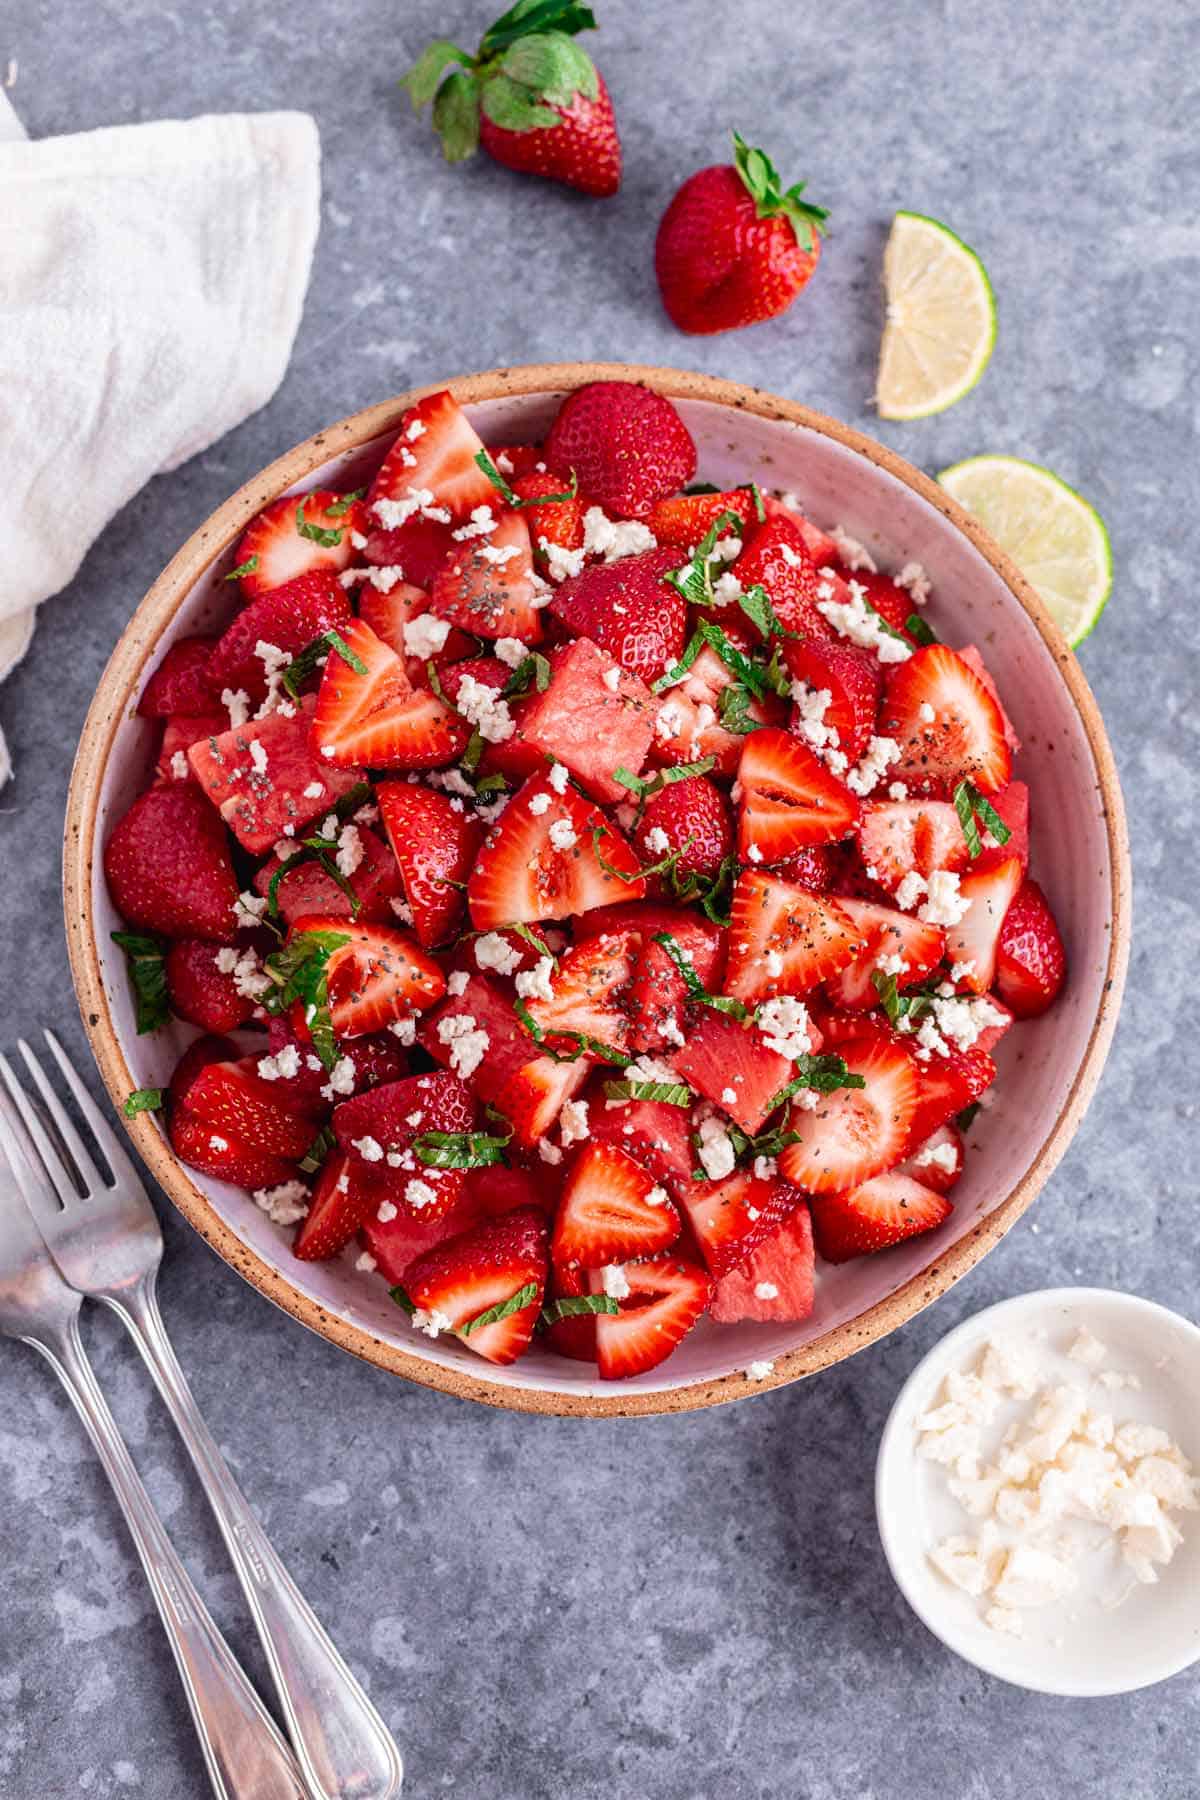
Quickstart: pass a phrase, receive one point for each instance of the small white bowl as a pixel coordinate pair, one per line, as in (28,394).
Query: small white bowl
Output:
(1078,1647)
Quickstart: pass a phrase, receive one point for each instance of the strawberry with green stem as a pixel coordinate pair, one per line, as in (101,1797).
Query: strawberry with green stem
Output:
(734,246)
(533,99)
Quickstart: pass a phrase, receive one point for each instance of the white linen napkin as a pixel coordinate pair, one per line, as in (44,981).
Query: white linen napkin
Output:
(151,284)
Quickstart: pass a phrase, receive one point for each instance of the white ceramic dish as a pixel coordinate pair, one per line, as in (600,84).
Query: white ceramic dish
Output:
(1048,1068)
(1084,1646)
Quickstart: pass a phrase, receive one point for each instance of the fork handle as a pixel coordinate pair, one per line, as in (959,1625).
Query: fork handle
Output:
(343,1746)
(246,1757)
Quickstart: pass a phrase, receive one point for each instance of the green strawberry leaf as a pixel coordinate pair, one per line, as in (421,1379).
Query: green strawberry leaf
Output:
(529,17)
(456,115)
(554,67)
(761,180)
(515,108)
(422,81)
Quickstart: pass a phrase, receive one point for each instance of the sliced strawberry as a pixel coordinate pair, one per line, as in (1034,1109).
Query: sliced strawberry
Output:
(435,842)
(180,684)
(688,725)
(181,731)
(308,888)
(1031,963)
(485,671)
(379,976)
(377,1130)
(234,1101)
(611,1209)
(168,866)
(776,557)
(896,837)
(692,818)
(894,604)
(557,522)
(288,619)
(388,613)
(970,655)
(729,1062)
(657,1135)
(684,519)
(945,1085)
(732,1217)
(338,1207)
(1013,806)
(775,1282)
(199,1053)
(541,860)
(852,678)
(199,991)
(821,547)
(532,1098)
(964,739)
(938,1162)
(586,989)
(854,1133)
(297,535)
(975,938)
(629,609)
(658,995)
(377,1059)
(513,1074)
(418,548)
(434,451)
(775,926)
(224,1155)
(515,460)
(378,719)
(593,716)
(887,934)
(667,1296)
(874,1215)
(789,799)
(486,584)
(818,867)
(397,1242)
(266,779)
(484,1267)
(625,444)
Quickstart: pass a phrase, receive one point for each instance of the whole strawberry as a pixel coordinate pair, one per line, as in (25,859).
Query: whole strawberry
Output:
(529,95)
(734,247)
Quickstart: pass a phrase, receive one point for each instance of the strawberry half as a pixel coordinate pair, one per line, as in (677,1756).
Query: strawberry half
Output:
(435,841)
(874,1215)
(541,860)
(896,837)
(297,535)
(557,521)
(783,939)
(486,584)
(854,1133)
(776,556)
(732,1217)
(976,937)
(1031,963)
(379,976)
(630,610)
(388,613)
(945,1085)
(852,678)
(594,716)
(775,1281)
(266,779)
(962,740)
(887,934)
(224,1155)
(690,817)
(181,683)
(585,989)
(235,1101)
(199,991)
(378,719)
(626,445)
(288,618)
(667,1296)
(611,1210)
(483,1268)
(338,1207)
(938,1162)
(789,799)
(684,519)
(168,866)
(512,1074)
(434,452)
(307,887)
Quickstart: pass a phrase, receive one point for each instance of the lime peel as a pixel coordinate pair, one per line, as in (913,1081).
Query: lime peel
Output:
(940,327)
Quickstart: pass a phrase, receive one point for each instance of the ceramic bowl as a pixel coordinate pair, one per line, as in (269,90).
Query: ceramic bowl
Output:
(1049,1068)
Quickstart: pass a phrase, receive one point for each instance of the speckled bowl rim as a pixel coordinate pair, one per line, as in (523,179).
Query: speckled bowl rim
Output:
(121,681)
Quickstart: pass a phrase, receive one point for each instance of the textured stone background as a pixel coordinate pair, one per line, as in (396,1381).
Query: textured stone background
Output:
(693,1609)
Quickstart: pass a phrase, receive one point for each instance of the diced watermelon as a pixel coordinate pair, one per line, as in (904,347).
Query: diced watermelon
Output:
(656,1134)
(307,888)
(592,724)
(724,1057)
(399,1241)
(259,776)
(783,1263)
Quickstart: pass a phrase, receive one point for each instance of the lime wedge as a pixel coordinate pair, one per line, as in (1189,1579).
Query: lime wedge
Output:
(941,319)
(1055,538)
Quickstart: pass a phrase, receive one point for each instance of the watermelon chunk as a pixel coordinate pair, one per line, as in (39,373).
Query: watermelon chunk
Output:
(591,726)
(783,1262)
(258,777)
(307,888)
(723,1057)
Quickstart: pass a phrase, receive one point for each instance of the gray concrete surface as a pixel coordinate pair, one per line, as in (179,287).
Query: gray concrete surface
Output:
(690,1609)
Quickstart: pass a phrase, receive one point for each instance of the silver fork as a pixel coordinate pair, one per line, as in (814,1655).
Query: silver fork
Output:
(246,1757)
(107,1244)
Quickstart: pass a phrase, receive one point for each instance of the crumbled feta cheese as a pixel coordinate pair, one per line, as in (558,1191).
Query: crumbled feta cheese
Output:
(236,701)
(350,850)
(937,1156)
(765,1290)
(926,713)
(385,577)
(559,777)
(657,1196)
(759,1371)
(855,620)
(535,983)
(892,964)
(915,581)
(765,1168)
(365,1263)
(495,952)
(562,834)
(431,1322)
(483,707)
(425,635)
(342,1075)
(717,1155)
(910,890)
(855,555)
(573,1121)
(285,1204)
(394,513)
(249,908)
(511,651)
(549,1153)
(456,982)
(783,1023)
(728,1096)
(405,1029)
(369,1148)
(811,706)
(612,539)
(898,790)
(179,766)
(616,1282)
(612,678)
(466,1041)
(562,563)
(753,853)
(481,523)
(282,1066)
(419,1193)
(657,840)
(218,1143)
(945,905)
(1087,1349)
(539,804)
(880,753)
(727,589)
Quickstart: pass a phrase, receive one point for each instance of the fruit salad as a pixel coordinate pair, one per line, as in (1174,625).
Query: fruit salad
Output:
(617,888)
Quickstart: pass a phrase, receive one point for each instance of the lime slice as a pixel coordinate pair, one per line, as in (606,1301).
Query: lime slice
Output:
(941,319)
(1055,538)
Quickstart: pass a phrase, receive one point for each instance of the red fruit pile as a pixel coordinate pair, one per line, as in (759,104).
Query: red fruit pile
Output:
(628,899)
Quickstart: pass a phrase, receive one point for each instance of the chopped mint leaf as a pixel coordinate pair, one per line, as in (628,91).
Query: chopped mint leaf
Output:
(503,1310)
(317,1151)
(510,496)
(144,958)
(974,809)
(340,507)
(143,1100)
(967,1117)
(402,1300)
(824,1073)
(300,971)
(533,940)
(917,628)
(328,540)
(532,671)
(670,1093)
(248,567)
(734,709)
(575,1306)
(460,1149)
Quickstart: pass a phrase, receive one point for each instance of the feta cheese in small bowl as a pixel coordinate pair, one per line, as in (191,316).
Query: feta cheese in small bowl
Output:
(1036,1494)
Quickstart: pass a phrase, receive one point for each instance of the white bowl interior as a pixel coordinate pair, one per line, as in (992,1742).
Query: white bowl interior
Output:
(1089,1645)
(1070,857)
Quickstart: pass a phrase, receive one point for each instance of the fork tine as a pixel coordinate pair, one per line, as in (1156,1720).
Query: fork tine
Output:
(51,1162)
(12,1143)
(110,1144)
(83,1161)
